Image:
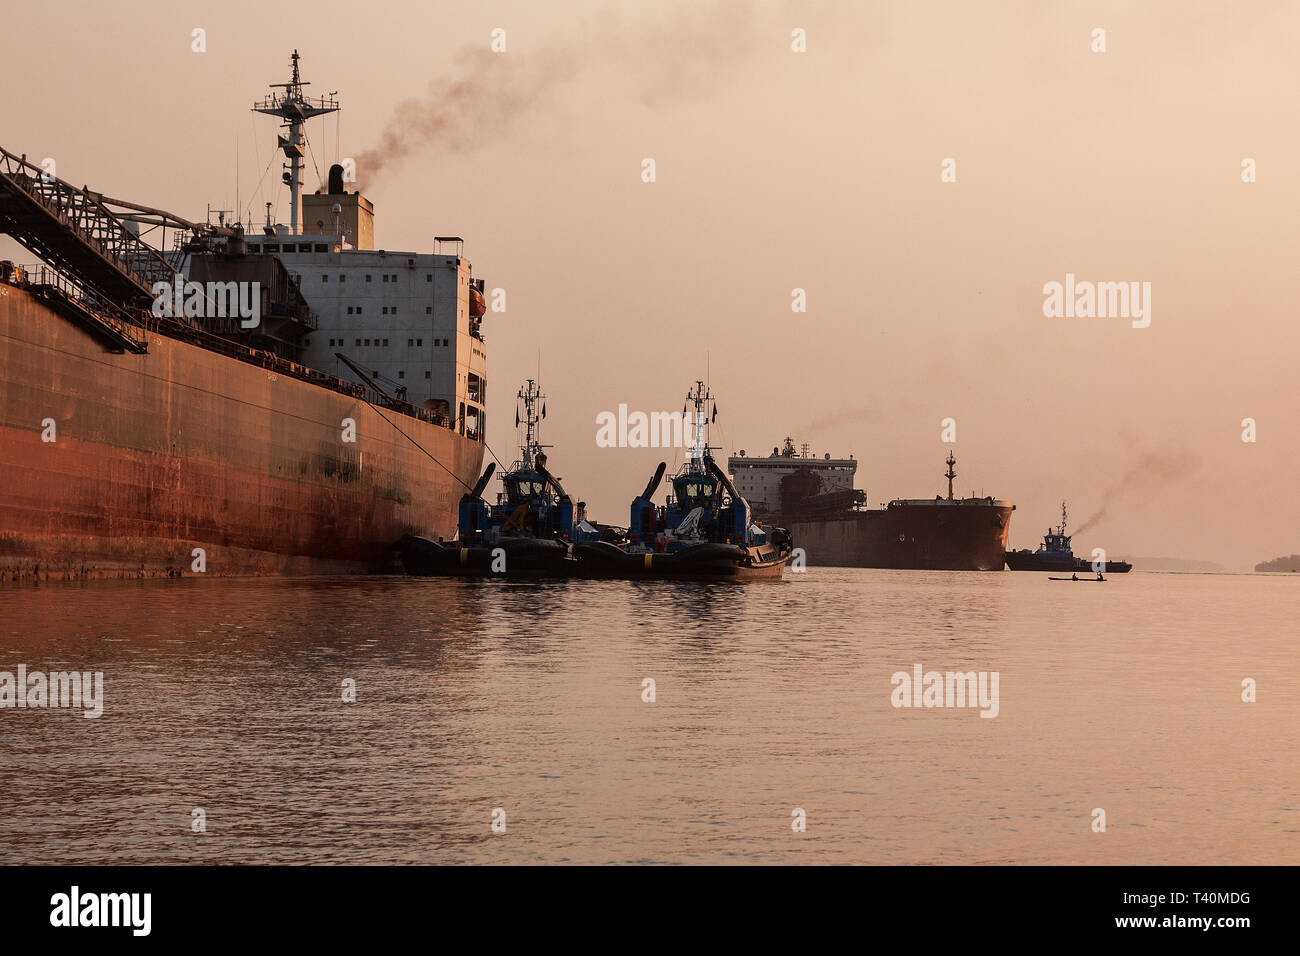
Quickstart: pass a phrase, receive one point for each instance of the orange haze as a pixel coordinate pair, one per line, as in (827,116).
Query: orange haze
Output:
(779,170)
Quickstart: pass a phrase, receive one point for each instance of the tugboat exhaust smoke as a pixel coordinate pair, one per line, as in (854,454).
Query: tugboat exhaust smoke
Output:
(1154,469)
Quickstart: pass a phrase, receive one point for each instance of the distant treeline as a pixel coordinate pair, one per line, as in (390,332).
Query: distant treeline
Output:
(1290,563)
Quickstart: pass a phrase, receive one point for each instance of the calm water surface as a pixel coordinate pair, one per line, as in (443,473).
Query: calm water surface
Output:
(226,695)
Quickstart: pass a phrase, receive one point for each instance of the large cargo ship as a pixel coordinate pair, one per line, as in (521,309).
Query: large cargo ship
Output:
(139,440)
(816,500)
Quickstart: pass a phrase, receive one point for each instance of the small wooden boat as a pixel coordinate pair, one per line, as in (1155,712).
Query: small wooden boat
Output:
(1080,580)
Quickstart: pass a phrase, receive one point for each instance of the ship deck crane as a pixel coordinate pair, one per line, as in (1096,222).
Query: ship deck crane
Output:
(369,380)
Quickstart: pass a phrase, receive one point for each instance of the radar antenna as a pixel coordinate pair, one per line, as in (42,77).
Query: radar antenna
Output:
(295,109)
(533,399)
(701,398)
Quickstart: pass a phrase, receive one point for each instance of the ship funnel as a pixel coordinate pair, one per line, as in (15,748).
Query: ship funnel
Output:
(336,179)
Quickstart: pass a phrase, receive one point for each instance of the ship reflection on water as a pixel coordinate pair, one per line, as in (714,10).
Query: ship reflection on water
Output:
(527,697)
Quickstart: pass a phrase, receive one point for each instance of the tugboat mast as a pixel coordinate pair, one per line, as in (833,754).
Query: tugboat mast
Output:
(532,397)
(950,474)
(1062,519)
(295,109)
(701,398)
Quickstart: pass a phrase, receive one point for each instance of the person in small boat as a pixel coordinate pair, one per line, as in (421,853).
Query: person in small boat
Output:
(1074,577)
(1099,577)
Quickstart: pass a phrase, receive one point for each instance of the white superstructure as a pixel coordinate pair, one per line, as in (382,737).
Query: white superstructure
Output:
(759,479)
(412,322)
(403,317)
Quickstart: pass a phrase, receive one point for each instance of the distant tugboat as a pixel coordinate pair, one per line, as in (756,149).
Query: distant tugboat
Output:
(705,530)
(1054,554)
(528,531)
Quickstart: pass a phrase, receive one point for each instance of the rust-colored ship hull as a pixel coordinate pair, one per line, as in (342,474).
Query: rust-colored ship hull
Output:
(183,448)
(968,534)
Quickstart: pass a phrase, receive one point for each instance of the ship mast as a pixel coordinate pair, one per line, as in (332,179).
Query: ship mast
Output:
(295,109)
(701,398)
(532,397)
(1062,519)
(950,474)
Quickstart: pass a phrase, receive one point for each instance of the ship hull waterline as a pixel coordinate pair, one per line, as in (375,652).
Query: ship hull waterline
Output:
(1035,561)
(708,562)
(185,461)
(970,535)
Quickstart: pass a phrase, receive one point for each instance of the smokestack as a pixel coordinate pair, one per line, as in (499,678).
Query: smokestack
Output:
(336,180)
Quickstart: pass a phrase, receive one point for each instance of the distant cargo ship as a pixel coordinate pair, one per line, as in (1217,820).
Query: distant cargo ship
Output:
(1055,554)
(132,443)
(828,518)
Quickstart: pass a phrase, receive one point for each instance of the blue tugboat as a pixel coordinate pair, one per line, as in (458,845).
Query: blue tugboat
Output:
(1055,554)
(705,530)
(527,532)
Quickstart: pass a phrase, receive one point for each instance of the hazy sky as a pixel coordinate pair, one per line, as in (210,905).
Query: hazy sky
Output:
(779,170)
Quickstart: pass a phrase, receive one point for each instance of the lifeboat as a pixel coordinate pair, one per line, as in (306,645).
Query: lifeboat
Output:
(477,304)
